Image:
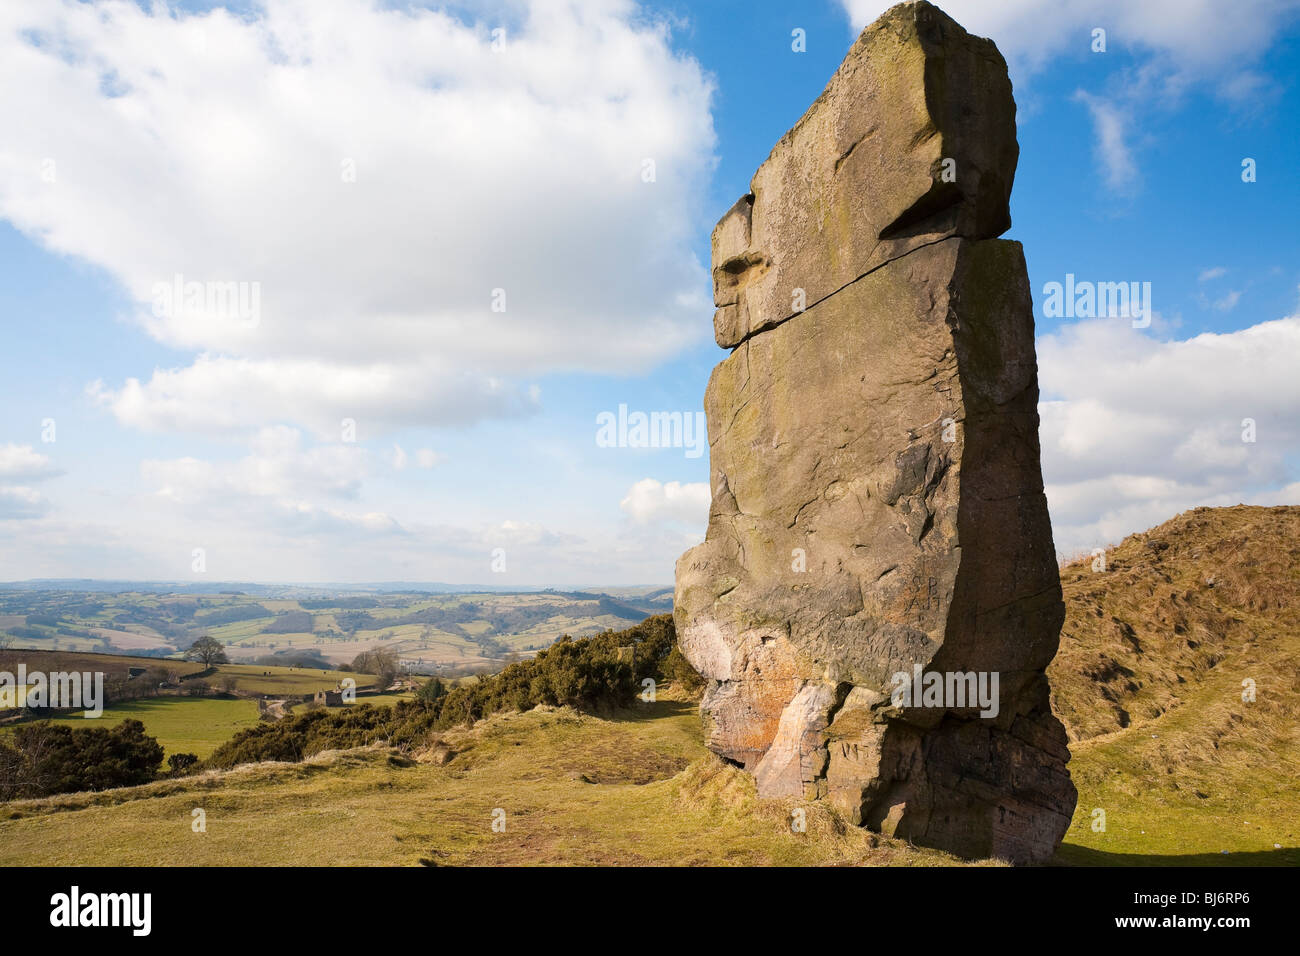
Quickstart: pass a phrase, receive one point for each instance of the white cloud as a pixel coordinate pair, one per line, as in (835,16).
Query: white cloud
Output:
(428,458)
(279,467)
(220,148)
(1176,43)
(1194,34)
(22,462)
(1135,430)
(525,534)
(18,502)
(1110,121)
(1226,302)
(650,501)
(1215,272)
(222,394)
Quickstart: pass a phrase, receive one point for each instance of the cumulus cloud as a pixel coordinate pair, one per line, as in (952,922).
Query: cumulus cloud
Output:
(18,502)
(218,393)
(22,462)
(289,504)
(650,501)
(1176,43)
(1194,34)
(279,466)
(423,216)
(1135,429)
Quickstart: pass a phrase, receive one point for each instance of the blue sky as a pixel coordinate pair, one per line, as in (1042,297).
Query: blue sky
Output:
(216,145)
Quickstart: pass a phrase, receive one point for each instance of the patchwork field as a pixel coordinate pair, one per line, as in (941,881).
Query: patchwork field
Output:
(447,634)
(187,724)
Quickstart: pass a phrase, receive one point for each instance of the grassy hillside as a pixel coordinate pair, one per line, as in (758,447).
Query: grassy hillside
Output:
(635,790)
(1149,683)
(113,666)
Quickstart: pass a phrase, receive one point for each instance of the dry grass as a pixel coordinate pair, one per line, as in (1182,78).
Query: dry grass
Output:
(1149,683)
(575,789)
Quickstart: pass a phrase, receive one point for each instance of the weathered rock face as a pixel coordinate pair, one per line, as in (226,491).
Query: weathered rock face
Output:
(877,495)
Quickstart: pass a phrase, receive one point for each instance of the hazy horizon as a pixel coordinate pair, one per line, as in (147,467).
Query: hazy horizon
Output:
(410,320)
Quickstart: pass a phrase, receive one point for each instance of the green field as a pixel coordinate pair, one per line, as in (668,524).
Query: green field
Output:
(113,665)
(185,724)
(196,725)
(286,681)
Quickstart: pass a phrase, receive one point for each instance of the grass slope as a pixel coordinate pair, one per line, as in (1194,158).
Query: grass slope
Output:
(1149,683)
(112,665)
(575,789)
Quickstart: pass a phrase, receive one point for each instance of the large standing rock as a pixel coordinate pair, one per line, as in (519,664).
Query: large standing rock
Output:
(877,496)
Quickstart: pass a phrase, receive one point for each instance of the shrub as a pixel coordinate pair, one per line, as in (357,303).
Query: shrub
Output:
(587,673)
(50,758)
(431,690)
(679,670)
(179,763)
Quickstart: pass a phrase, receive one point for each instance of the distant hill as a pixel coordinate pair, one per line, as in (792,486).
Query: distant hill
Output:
(292,591)
(446,633)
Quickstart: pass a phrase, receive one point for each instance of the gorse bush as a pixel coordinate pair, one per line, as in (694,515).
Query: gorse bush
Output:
(431,690)
(179,763)
(43,758)
(602,671)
